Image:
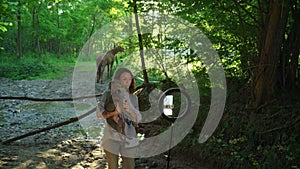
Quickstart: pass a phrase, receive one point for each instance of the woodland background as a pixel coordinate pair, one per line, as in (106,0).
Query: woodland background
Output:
(258,42)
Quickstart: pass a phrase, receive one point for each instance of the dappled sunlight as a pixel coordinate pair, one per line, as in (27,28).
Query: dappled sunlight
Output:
(71,153)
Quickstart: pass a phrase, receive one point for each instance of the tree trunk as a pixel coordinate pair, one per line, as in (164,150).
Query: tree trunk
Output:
(58,38)
(38,36)
(19,30)
(33,43)
(266,75)
(146,80)
(292,51)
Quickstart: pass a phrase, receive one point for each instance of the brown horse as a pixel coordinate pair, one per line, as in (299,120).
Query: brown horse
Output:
(106,60)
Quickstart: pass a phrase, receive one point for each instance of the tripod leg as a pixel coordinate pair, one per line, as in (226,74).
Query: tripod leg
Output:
(169,152)
(168,159)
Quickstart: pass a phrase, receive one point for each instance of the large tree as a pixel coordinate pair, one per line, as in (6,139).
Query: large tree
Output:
(264,34)
(279,46)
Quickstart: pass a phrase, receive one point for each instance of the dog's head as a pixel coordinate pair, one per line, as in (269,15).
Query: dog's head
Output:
(118,91)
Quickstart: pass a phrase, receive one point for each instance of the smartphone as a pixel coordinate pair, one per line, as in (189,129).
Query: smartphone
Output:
(168,105)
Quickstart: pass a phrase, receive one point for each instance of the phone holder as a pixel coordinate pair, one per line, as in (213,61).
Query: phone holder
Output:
(166,104)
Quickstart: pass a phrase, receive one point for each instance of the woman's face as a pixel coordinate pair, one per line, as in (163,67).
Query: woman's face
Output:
(126,79)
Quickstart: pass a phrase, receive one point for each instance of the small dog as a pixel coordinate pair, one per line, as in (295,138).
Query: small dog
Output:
(121,96)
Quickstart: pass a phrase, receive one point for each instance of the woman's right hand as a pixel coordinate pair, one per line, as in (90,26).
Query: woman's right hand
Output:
(99,114)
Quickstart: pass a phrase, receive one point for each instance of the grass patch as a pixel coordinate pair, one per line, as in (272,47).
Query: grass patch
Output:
(30,68)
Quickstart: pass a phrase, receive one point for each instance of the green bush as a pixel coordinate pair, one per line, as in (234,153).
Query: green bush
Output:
(28,67)
(247,139)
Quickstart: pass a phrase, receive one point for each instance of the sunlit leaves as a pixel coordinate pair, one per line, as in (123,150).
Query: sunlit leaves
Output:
(113,11)
(56,23)
(230,25)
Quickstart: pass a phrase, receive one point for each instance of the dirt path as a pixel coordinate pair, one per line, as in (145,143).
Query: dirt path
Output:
(75,154)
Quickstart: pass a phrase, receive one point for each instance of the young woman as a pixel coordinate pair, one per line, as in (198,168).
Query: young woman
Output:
(126,112)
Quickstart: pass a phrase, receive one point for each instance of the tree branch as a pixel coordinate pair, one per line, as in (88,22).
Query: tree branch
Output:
(71,120)
(278,128)
(48,99)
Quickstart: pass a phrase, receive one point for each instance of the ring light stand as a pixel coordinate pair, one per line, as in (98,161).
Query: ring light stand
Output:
(165,103)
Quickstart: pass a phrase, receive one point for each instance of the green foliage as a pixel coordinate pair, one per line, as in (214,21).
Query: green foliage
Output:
(203,82)
(155,76)
(34,68)
(244,151)
(229,25)
(7,10)
(59,27)
(234,145)
(245,139)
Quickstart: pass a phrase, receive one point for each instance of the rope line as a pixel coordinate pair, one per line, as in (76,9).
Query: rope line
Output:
(49,99)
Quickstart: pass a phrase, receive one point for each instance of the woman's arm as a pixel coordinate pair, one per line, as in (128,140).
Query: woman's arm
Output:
(106,114)
(101,112)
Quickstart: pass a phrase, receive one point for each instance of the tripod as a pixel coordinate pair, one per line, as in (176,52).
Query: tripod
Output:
(169,151)
(166,104)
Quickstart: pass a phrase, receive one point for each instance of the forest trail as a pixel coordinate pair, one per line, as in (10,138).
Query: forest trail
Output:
(71,146)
